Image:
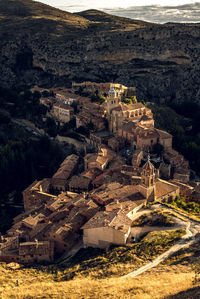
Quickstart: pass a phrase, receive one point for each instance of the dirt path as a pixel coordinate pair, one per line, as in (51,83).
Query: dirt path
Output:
(68,255)
(192,236)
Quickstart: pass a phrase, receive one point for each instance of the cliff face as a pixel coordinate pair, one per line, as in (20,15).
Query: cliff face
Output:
(162,61)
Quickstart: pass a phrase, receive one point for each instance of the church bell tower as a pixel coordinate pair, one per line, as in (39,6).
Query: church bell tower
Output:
(147,185)
(112,100)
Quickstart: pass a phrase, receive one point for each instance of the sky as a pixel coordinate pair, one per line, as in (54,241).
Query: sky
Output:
(147,10)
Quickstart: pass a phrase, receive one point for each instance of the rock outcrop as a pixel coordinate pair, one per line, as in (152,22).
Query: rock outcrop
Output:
(56,48)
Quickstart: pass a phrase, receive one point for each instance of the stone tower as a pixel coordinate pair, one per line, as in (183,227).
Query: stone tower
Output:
(147,185)
(112,100)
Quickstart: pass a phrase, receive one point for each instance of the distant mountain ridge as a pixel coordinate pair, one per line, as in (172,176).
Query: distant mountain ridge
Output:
(46,46)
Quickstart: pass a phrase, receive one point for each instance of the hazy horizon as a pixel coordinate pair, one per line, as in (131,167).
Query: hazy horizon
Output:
(148,10)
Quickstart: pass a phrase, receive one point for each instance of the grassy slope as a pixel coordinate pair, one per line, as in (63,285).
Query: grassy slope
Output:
(173,279)
(34,17)
(100,274)
(29,8)
(21,17)
(120,260)
(154,284)
(112,22)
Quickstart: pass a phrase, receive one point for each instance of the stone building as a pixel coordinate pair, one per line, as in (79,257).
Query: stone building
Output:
(60,179)
(147,138)
(91,114)
(80,184)
(106,228)
(134,123)
(180,167)
(103,88)
(117,112)
(63,112)
(144,138)
(99,138)
(36,194)
(147,186)
(99,160)
(34,252)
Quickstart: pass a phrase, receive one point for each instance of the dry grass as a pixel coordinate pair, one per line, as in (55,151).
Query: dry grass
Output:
(154,218)
(96,276)
(192,216)
(155,284)
(95,263)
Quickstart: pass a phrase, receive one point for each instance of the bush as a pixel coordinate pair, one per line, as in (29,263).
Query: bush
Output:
(191,207)
(131,100)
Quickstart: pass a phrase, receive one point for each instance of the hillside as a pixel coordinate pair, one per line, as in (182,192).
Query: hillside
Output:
(45,46)
(174,279)
(113,22)
(20,9)
(94,273)
(171,284)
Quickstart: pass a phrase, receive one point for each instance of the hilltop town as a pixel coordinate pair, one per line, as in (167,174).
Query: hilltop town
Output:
(127,165)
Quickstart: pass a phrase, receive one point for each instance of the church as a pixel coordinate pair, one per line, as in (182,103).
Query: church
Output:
(121,202)
(117,112)
(134,123)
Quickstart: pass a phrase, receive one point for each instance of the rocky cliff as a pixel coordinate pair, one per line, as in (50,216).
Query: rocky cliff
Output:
(45,46)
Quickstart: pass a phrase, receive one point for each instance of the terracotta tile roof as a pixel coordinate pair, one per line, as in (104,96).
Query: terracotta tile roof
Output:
(81,182)
(125,206)
(39,228)
(66,167)
(114,219)
(148,165)
(30,221)
(115,191)
(164,187)
(102,160)
(101,219)
(149,133)
(121,222)
(131,107)
(63,106)
(163,134)
(128,126)
(92,173)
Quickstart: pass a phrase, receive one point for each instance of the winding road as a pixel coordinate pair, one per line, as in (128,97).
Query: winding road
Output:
(192,236)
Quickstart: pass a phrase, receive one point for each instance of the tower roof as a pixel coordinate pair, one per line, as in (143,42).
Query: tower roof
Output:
(148,165)
(112,91)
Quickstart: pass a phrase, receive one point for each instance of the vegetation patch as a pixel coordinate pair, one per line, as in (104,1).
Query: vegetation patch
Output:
(182,121)
(118,261)
(154,284)
(190,206)
(156,218)
(90,265)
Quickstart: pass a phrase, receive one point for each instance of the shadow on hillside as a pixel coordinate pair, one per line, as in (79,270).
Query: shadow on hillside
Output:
(14,8)
(193,293)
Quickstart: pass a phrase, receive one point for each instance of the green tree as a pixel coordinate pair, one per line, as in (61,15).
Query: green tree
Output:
(158,149)
(51,127)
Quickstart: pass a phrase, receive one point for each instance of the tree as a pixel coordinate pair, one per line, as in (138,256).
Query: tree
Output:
(45,94)
(131,100)
(51,127)
(98,98)
(36,95)
(158,149)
